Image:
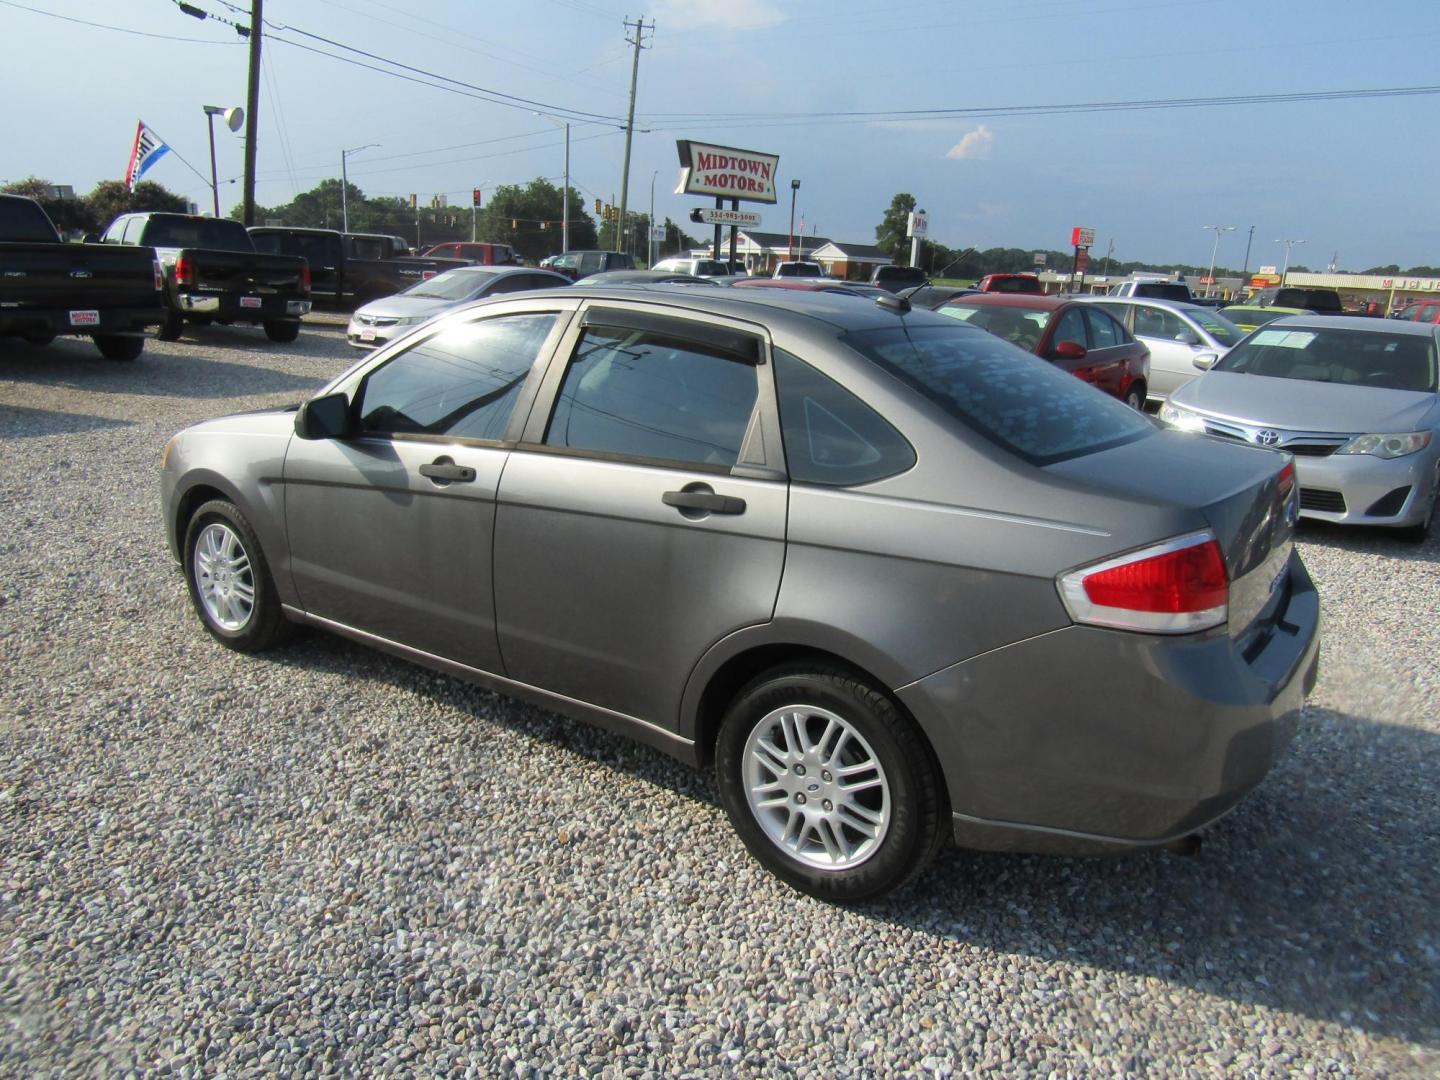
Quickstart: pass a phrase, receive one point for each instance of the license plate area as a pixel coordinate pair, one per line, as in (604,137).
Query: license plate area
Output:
(367,334)
(249,301)
(84,318)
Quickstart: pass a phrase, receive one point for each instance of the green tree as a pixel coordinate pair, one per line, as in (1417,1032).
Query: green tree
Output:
(890,233)
(111,198)
(69,215)
(529,218)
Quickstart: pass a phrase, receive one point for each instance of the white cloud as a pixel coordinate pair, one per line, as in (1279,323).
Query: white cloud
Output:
(719,14)
(974,145)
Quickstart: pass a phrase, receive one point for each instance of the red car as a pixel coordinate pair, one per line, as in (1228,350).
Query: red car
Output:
(1420,311)
(1011,283)
(1082,338)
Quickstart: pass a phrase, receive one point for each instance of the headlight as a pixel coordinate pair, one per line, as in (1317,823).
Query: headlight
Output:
(1181,419)
(1387,446)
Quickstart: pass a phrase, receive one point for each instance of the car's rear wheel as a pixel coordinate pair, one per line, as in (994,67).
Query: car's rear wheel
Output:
(229,579)
(39,338)
(171,328)
(829,784)
(120,347)
(281,330)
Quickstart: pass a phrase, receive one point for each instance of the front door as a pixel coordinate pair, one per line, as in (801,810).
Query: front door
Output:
(390,532)
(1173,347)
(640,521)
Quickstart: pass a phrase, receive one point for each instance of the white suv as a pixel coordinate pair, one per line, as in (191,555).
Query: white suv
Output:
(697,267)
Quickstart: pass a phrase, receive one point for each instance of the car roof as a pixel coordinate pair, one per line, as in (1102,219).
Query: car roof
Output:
(1150,301)
(1360,323)
(1027,300)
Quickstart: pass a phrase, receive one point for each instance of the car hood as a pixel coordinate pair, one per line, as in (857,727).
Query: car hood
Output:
(1307,406)
(404,307)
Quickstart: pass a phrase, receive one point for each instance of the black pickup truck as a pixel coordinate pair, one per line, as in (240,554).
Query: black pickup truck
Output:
(351,269)
(214,274)
(49,287)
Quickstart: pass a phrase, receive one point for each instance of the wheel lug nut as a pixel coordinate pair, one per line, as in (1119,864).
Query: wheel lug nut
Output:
(799,770)
(800,799)
(828,805)
(825,775)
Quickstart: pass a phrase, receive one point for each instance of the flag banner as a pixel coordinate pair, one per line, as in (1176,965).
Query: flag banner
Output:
(148,149)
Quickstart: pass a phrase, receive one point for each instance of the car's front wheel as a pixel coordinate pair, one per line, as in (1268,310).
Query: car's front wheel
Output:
(229,579)
(829,784)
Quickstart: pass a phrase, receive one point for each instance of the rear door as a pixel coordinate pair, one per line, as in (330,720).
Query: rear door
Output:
(642,518)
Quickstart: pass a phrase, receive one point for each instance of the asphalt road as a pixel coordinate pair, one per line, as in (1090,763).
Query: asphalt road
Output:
(325,860)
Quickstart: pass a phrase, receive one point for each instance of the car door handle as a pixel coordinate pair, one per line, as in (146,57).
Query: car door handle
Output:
(447,471)
(704,500)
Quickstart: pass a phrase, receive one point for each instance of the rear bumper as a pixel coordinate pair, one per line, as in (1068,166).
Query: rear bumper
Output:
(118,320)
(1091,739)
(1357,489)
(235,309)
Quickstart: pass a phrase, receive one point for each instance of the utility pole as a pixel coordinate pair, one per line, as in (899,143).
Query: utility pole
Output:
(252,109)
(1245,270)
(639,43)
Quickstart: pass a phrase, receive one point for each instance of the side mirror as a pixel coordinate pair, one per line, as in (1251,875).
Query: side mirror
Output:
(1188,337)
(325,417)
(1069,350)
(1205,360)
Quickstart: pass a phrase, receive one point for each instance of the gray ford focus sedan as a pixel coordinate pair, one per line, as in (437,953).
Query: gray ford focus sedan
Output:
(897,581)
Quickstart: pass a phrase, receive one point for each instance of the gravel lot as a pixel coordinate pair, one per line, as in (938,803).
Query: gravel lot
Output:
(324,860)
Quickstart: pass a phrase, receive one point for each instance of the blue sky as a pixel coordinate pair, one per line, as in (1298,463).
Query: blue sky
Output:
(1355,177)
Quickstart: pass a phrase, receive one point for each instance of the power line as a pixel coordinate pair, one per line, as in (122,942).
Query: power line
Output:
(117,29)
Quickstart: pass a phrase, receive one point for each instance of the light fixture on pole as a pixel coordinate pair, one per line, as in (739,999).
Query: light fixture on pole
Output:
(1214,249)
(565,208)
(794,190)
(1288,245)
(234,120)
(345,184)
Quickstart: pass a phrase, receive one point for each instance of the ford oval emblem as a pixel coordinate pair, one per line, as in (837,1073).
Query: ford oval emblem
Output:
(1267,437)
(81,273)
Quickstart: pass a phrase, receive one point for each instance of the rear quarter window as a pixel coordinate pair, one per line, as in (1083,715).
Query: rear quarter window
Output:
(1014,399)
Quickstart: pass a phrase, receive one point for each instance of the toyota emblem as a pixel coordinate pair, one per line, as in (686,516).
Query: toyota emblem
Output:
(1267,437)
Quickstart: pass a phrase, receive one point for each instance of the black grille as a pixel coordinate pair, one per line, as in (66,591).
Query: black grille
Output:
(1312,449)
(1329,502)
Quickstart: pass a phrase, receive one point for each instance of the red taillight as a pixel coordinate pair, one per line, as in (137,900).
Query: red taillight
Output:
(184,271)
(305,279)
(1286,479)
(159,274)
(1173,588)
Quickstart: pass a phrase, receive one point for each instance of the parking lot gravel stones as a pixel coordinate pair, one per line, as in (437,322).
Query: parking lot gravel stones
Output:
(322,861)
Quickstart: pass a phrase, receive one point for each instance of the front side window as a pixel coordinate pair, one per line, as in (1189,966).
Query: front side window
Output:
(831,436)
(642,394)
(462,382)
(1021,403)
(1154,322)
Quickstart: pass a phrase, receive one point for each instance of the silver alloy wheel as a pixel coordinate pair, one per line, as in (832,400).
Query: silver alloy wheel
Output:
(816,787)
(224,579)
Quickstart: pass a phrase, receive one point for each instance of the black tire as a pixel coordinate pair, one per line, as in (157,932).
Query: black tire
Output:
(281,330)
(172,327)
(120,347)
(913,805)
(264,624)
(1135,397)
(39,339)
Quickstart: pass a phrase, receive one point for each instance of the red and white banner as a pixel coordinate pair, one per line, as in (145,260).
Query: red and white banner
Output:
(148,149)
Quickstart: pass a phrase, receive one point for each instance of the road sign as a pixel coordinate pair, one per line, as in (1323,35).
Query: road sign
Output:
(1082,261)
(1040,258)
(1267,270)
(657,234)
(1082,237)
(918,224)
(746,219)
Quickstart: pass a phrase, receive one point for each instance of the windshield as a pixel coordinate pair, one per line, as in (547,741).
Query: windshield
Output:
(1253,317)
(1353,357)
(1013,399)
(1217,326)
(22,221)
(451,285)
(1018,325)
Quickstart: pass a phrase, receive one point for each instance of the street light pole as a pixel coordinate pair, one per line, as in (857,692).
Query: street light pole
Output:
(1288,244)
(650,228)
(794,190)
(210,111)
(1214,250)
(565,209)
(345,184)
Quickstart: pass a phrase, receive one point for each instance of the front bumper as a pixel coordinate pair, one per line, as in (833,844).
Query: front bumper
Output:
(1358,489)
(371,336)
(1085,738)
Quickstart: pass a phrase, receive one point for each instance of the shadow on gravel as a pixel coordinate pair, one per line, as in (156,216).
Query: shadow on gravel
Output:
(1318,895)
(1370,541)
(21,423)
(159,372)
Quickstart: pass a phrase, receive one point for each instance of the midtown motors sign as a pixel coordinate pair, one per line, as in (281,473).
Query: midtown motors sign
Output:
(726,172)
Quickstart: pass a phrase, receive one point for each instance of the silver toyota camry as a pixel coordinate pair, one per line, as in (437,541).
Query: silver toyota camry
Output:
(821,544)
(1353,399)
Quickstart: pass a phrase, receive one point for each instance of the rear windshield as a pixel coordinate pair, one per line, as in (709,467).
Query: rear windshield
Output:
(710,266)
(1314,299)
(22,222)
(1162,290)
(1353,357)
(1014,399)
(451,285)
(216,234)
(1013,285)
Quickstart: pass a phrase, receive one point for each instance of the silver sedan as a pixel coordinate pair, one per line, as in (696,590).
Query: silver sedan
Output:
(1353,399)
(1183,339)
(387,318)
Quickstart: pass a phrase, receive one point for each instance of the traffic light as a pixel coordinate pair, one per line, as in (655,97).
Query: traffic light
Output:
(475,197)
(414,200)
(598,206)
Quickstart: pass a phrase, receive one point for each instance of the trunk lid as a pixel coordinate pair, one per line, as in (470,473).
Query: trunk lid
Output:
(76,275)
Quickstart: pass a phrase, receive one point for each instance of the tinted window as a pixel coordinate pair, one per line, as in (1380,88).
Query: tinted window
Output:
(461,382)
(454,284)
(1019,326)
(831,436)
(1027,406)
(216,234)
(1104,331)
(318,251)
(1071,327)
(640,394)
(22,221)
(1356,357)
(1163,290)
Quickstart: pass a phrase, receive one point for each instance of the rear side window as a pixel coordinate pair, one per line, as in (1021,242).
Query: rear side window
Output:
(640,394)
(22,221)
(462,382)
(1104,331)
(831,436)
(1019,402)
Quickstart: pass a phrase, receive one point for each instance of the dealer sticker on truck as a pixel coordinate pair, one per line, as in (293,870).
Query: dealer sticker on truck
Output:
(84,318)
(250,301)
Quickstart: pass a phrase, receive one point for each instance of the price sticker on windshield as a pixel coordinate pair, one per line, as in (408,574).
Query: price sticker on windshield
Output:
(1284,339)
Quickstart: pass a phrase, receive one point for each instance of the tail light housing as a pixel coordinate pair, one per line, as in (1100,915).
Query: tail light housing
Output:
(305,279)
(159,274)
(184,271)
(1178,587)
